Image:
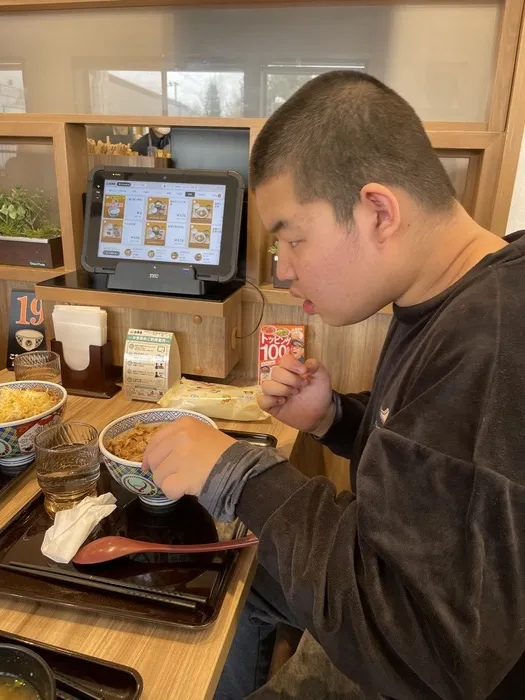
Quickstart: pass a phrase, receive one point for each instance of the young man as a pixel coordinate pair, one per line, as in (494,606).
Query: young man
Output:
(413,585)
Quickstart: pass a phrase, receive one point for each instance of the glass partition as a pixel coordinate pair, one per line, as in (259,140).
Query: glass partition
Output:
(246,61)
(28,179)
(29,163)
(457,169)
(12,98)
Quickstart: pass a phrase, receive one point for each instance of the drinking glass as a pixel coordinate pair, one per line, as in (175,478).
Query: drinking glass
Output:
(41,365)
(67,464)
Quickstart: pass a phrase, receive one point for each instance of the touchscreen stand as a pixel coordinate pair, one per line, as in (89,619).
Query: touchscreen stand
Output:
(158,279)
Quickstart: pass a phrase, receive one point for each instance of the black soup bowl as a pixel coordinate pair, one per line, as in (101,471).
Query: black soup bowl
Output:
(19,663)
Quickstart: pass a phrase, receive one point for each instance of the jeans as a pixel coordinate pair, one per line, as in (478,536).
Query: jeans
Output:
(308,675)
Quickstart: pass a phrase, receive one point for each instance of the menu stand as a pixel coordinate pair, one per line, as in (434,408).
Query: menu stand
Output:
(97,380)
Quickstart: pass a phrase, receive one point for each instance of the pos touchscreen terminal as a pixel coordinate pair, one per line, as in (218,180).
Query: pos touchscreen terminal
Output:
(163,230)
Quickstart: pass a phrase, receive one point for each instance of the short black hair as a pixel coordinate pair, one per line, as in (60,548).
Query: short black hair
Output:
(341,131)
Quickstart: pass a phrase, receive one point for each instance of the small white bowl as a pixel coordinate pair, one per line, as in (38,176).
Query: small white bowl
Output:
(130,474)
(17,438)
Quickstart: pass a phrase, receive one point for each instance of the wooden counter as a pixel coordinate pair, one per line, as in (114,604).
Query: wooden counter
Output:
(174,664)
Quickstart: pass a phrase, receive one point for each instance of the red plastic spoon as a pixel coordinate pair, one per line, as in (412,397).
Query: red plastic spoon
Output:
(108,548)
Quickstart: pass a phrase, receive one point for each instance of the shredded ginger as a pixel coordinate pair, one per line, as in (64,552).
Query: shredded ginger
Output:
(18,404)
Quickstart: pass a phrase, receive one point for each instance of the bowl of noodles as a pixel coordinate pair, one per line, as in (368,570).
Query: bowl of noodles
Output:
(26,408)
(122,445)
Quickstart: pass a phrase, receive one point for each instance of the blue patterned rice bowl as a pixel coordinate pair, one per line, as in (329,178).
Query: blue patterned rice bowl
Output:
(17,438)
(130,474)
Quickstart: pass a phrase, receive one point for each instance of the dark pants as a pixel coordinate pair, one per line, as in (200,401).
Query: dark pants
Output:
(309,674)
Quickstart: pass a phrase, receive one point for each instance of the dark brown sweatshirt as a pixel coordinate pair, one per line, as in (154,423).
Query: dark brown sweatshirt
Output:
(414,584)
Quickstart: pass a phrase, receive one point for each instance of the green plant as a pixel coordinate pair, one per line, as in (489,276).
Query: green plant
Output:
(24,214)
(274,249)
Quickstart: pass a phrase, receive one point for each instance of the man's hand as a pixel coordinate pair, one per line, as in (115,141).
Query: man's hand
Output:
(182,455)
(298,395)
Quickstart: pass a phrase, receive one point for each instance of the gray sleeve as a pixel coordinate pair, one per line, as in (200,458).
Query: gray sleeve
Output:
(228,477)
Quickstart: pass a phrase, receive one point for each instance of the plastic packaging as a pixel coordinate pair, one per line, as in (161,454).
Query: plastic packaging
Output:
(215,400)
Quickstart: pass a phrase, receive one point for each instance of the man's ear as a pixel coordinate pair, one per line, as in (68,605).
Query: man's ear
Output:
(382,209)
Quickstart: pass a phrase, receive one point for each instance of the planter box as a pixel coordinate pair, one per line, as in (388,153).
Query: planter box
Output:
(279,284)
(29,252)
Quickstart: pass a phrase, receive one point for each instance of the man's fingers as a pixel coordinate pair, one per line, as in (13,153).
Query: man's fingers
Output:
(156,439)
(272,388)
(157,452)
(164,470)
(284,376)
(291,364)
(169,433)
(269,403)
(312,366)
(172,486)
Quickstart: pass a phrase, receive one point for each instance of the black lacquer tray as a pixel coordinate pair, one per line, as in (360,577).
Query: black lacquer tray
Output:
(7,483)
(174,590)
(79,676)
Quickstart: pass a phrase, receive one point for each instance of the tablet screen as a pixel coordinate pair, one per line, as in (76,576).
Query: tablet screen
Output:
(162,221)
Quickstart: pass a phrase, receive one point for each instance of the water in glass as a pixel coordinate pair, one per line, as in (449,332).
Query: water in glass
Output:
(67,464)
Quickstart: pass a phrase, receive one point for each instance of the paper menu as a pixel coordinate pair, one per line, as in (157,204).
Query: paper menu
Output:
(151,364)
(278,340)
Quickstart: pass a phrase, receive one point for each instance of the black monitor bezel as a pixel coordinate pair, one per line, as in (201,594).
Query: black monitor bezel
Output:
(227,267)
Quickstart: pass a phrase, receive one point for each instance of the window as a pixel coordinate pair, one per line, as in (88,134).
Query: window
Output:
(211,93)
(457,170)
(125,92)
(12,97)
(281,80)
(216,93)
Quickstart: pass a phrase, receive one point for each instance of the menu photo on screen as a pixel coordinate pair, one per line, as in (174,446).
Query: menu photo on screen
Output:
(162,221)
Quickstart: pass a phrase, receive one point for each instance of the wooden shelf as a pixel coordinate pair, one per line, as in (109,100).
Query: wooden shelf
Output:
(143,302)
(29,274)
(272,295)
(443,135)
(169,304)
(39,5)
(46,122)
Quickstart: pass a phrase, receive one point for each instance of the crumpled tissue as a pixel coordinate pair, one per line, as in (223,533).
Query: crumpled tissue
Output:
(71,527)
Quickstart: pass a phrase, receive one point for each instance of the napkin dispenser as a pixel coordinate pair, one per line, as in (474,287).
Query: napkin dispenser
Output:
(85,353)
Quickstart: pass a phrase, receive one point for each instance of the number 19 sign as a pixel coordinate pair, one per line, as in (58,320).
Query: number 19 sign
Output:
(26,325)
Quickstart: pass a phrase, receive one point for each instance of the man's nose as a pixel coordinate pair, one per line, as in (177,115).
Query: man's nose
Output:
(284,270)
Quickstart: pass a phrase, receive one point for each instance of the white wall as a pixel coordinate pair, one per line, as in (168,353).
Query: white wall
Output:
(516,219)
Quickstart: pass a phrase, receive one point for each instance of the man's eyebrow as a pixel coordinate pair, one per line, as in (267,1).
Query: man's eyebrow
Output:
(278,226)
